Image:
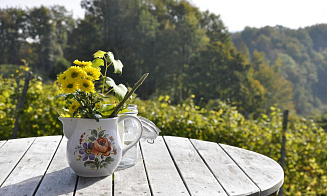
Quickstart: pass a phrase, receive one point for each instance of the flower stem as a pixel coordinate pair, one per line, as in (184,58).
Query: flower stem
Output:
(128,95)
(105,74)
(109,91)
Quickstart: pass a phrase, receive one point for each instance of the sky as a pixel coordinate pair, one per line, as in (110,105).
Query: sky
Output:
(236,14)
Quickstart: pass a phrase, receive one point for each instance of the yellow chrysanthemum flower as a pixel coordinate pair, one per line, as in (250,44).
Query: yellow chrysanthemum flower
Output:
(86,85)
(77,62)
(75,74)
(69,87)
(92,73)
(74,106)
(62,78)
(82,63)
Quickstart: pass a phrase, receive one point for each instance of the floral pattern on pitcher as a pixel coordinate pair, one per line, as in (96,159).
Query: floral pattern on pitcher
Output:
(95,149)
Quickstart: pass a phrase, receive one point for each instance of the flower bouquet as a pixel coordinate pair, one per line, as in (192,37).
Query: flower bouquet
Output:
(78,83)
(94,146)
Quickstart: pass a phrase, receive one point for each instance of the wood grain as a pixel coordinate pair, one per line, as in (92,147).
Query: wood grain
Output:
(94,186)
(60,179)
(134,177)
(198,178)
(10,154)
(163,176)
(29,171)
(230,176)
(171,166)
(265,172)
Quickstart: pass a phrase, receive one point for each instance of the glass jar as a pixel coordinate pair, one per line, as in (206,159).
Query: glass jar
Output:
(128,134)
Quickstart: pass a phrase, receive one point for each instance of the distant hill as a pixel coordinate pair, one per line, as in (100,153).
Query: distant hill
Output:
(303,56)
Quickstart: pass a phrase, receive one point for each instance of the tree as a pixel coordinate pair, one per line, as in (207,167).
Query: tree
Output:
(278,89)
(220,72)
(48,28)
(13,23)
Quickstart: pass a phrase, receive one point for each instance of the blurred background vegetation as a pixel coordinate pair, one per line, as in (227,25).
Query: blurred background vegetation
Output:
(204,81)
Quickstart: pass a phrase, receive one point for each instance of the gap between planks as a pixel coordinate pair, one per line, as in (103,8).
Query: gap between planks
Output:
(17,162)
(197,176)
(260,193)
(46,170)
(146,171)
(179,172)
(2,143)
(28,172)
(208,166)
(163,176)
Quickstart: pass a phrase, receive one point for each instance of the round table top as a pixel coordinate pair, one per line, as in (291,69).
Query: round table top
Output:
(170,166)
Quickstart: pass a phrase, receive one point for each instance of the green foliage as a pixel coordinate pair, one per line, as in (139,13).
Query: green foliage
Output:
(38,35)
(184,49)
(301,58)
(38,116)
(13,29)
(278,90)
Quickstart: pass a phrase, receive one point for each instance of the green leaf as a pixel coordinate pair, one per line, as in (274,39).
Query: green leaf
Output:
(61,95)
(109,160)
(107,110)
(119,90)
(101,133)
(69,96)
(109,107)
(118,66)
(99,54)
(97,63)
(94,133)
(92,138)
(105,165)
(125,110)
(110,57)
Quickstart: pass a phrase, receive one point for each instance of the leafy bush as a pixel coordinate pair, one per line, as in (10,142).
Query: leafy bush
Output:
(38,117)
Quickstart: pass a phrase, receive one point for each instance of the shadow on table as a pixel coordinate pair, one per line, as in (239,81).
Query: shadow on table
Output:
(60,182)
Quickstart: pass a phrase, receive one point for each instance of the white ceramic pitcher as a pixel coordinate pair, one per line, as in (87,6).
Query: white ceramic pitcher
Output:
(94,148)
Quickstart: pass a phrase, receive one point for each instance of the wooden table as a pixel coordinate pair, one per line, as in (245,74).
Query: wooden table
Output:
(171,166)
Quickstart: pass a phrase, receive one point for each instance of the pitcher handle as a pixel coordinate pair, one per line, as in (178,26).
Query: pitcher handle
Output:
(139,130)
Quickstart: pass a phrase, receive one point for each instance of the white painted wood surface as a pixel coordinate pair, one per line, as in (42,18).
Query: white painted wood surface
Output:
(170,166)
(94,186)
(2,143)
(29,171)
(136,179)
(163,176)
(10,155)
(265,172)
(225,169)
(60,179)
(197,177)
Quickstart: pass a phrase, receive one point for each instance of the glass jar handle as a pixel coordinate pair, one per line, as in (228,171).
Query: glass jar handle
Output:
(139,130)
